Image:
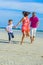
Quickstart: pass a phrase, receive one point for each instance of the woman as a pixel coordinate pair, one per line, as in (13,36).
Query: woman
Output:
(25,25)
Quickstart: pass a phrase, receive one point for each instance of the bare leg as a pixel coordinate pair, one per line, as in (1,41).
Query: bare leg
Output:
(32,39)
(22,38)
(28,34)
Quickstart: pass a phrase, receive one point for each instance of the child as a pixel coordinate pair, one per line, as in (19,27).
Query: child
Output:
(9,30)
(25,25)
(34,24)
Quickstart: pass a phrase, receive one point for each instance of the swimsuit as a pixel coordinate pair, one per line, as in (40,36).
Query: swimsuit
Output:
(26,25)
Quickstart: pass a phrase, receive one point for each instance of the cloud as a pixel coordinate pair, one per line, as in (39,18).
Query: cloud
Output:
(28,6)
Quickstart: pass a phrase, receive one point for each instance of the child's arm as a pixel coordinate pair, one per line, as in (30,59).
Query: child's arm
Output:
(6,29)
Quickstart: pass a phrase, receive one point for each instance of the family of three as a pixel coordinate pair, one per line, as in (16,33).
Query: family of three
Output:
(29,26)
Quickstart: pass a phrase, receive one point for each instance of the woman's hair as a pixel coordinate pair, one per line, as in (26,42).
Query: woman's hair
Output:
(25,13)
(10,20)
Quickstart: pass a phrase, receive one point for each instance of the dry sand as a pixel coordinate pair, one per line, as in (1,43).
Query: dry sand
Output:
(16,54)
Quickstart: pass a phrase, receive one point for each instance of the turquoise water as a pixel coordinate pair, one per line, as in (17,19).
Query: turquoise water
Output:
(15,15)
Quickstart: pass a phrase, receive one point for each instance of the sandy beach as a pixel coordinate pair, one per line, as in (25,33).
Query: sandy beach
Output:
(25,54)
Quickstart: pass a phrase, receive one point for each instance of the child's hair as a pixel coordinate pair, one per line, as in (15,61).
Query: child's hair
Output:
(25,13)
(10,20)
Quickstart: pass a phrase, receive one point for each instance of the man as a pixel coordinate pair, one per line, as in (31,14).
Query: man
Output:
(34,24)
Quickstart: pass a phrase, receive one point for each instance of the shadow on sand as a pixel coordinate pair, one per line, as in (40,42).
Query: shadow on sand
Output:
(14,42)
(6,41)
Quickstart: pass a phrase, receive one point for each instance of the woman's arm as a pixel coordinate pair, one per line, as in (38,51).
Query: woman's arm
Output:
(19,22)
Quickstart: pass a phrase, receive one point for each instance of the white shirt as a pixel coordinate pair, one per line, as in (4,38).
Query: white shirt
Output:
(9,28)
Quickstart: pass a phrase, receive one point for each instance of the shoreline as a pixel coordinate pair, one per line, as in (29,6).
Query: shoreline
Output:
(20,29)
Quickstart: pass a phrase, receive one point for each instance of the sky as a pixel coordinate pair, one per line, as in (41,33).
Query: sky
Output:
(39,1)
(6,6)
(29,6)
